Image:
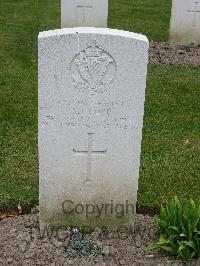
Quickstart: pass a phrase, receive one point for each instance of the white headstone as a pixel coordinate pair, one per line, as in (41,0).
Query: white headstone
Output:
(185,22)
(84,13)
(91,103)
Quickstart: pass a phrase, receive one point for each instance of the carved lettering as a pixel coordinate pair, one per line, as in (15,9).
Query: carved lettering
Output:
(94,115)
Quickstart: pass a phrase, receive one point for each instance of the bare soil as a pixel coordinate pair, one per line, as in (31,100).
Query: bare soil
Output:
(163,53)
(21,244)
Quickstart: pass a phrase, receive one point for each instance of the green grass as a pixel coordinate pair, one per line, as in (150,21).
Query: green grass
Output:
(168,167)
(21,21)
(150,17)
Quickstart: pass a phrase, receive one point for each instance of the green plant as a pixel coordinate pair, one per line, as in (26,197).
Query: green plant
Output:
(179,225)
(81,246)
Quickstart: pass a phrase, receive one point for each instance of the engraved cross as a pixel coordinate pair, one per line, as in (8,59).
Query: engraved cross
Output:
(195,10)
(84,6)
(90,152)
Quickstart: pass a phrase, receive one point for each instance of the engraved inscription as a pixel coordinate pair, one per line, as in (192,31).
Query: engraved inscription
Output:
(83,5)
(93,70)
(93,115)
(195,9)
(89,152)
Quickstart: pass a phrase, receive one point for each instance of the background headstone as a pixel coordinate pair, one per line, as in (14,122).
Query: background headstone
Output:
(185,22)
(91,103)
(84,13)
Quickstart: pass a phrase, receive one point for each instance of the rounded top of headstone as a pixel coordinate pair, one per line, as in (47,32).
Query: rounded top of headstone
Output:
(86,30)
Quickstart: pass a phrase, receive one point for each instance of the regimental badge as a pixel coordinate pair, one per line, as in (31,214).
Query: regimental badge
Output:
(93,70)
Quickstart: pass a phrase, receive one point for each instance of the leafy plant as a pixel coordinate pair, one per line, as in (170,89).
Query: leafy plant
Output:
(179,225)
(81,246)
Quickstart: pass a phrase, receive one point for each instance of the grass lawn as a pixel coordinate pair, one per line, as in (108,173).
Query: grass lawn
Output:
(171,136)
(150,17)
(171,143)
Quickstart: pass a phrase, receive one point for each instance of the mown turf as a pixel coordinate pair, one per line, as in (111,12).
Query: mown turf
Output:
(170,152)
(171,136)
(150,17)
(21,21)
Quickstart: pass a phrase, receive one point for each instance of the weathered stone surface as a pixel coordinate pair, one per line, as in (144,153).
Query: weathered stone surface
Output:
(84,13)
(185,22)
(91,103)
